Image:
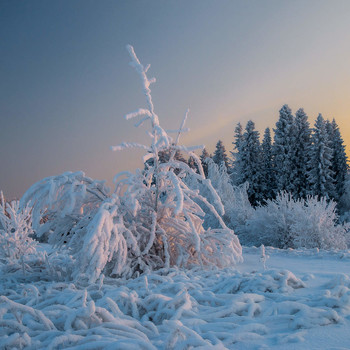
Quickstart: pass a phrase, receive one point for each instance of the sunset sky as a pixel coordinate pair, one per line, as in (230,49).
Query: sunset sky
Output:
(65,82)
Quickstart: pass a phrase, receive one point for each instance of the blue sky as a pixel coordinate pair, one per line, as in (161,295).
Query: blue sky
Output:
(66,83)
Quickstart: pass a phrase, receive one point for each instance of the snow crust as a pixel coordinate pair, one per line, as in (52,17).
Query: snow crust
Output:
(260,305)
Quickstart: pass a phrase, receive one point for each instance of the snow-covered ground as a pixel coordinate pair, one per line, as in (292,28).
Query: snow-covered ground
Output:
(300,301)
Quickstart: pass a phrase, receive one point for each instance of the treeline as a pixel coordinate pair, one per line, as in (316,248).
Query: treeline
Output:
(301,160)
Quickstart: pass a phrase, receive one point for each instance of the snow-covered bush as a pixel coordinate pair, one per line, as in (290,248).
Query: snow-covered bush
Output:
(160,210)
(271,224)
(234,198)
(294,223)
(151,221)
(63,209)
(16,228)
(319,226)
(62,204)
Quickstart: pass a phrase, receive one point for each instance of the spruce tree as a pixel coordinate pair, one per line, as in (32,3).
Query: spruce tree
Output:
(192,164)
(237,155)
(251,163)
(164,157)
(339,159)
(204,162)
(330,136)
(320,175)
(220,155)
(267,171)
(302,148)
(283,150)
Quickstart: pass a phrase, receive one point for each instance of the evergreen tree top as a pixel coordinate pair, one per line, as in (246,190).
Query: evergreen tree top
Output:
(238,135)
(300,114)
(250,126)
(220,154)
(205,154)
(267,138)
(285,112)
(284,130)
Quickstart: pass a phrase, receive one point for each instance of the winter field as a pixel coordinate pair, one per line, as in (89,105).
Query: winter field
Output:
(300,301)
(157,263)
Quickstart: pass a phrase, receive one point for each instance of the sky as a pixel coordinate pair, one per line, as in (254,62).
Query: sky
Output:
(65,81)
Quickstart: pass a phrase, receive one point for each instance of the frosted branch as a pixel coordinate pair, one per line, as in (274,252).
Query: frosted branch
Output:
(126,145)
(140,111)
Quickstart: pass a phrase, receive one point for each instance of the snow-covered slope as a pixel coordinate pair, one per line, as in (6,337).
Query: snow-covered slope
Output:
(300,301)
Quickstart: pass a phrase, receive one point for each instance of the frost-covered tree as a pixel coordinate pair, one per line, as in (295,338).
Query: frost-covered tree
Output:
(283,150)
(167,212)
(339,158)
(16,242)
(164,157)
(251,163)
(344,203)
(151,221)
(302,148)
(267,170)
(193,164)
(237,165)
(204,157)
(234,198)
(320,175)
(220,155)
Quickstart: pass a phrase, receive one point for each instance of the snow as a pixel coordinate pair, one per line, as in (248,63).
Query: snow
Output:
(137,268)
(295,299)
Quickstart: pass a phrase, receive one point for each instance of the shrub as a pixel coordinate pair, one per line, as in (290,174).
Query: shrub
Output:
(151,221)
(63,204)
(234,198)
(294,223)
(15,241)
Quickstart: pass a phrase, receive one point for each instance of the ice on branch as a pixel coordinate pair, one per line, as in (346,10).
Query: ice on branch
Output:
(126,145)
(164,215)
(140,111)
(16,243)
(61,202)
(153,220)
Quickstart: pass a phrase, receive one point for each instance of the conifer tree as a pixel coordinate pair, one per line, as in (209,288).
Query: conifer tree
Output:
(203,158)
(251,163)
(330,136)
(192,164)
(339,159)
(220,154)
(152,220)
(267,171)
(165,155)
(237,155)
(301,154)
(321,176)
(283,150)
